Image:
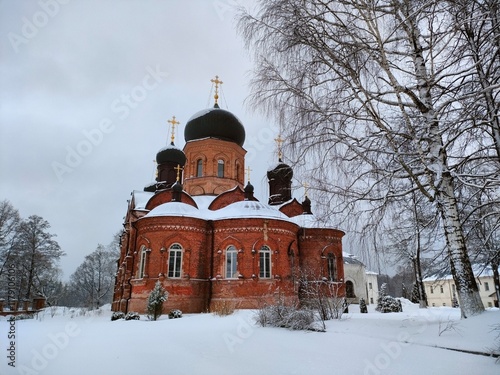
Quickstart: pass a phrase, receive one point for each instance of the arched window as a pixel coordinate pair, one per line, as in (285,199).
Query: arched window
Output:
(231,262)
(142,262)
(332,267)
(265,262)
(349,289)
(199,168)
(175,260)
(220,168)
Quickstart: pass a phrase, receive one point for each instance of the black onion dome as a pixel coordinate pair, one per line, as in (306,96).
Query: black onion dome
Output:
(177,187)
(171,154)
(281,171)
(249,188)
(215,123)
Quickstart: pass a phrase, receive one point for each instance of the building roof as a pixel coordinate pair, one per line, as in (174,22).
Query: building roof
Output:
(479,270)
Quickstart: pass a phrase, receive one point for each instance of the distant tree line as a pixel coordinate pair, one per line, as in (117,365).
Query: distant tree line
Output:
(29,265)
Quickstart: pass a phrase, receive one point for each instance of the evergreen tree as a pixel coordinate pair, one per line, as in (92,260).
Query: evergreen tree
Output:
(155,301)
(381,294)
(362,306)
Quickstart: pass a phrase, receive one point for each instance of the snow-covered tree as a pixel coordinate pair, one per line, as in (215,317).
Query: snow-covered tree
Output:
(363,309)
(94,279)
(373,98)
(155,301)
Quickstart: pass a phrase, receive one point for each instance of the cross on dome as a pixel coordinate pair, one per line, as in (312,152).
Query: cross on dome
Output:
(174,122)
(248,170)
(279,141)
(217,83)
(178,169)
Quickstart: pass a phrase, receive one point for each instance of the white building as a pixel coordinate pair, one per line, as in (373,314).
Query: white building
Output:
(441,289)
(359,283)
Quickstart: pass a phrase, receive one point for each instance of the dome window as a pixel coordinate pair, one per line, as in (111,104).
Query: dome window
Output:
(199,168)
(220,168)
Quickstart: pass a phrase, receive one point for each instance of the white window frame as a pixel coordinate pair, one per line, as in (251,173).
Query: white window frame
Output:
(175,253)
(231,263)
(142,262)
(265,264)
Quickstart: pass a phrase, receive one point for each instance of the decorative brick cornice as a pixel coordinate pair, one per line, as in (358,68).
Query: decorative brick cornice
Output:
(255,229)
(184,228)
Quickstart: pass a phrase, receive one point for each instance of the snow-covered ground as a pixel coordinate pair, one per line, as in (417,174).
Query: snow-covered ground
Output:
(413,342)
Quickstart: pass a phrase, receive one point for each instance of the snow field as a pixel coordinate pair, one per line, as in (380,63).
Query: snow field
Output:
(413,342)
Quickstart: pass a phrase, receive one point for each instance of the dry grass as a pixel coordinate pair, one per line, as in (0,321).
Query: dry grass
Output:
(223,308)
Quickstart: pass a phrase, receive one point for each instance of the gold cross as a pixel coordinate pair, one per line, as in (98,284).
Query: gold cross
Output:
(248,174)
(279,141)
(178,169)
(217,83)
(306,186)
(173,122)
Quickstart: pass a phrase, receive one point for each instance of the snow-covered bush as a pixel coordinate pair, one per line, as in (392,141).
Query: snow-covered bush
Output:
(175,314)
(389,304)
(24,316)
(132,315)
(155,301)
(117,315)
(287,317)
(362,306)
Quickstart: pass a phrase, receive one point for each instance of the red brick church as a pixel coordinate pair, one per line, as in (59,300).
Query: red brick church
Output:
(200,231)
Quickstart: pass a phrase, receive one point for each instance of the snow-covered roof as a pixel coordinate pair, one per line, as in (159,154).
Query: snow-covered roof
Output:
(249,209)
(141,198)
(309,221)
(479,270)
(351,259)
(176,209)
(203,201)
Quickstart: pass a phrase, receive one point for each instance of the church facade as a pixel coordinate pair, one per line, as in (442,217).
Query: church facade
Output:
(200,232)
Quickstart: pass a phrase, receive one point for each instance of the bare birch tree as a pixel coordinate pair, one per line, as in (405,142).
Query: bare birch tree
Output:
(371,99)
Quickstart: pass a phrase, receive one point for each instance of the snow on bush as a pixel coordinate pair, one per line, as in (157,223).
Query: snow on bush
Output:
(362,306)
(155,301)
(175,314)
(389,304)
(117,315)
(286,317)
(132,315)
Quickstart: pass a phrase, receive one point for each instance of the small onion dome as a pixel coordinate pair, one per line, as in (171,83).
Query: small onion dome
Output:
(215,123)
(282,171)
(177,187)
(171,154)
(306,206)
(249,191)
(249,188)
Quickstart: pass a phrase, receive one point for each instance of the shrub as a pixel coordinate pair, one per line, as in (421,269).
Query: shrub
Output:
(223,308)
(155,301)
(362,306)
(132,315)
(287,317)
(175,314)
(389,304)
(117,315)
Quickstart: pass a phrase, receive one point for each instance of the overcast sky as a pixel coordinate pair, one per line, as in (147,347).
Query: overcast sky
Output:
(86,89)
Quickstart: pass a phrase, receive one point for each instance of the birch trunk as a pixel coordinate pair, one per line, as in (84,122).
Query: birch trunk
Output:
(440,179)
